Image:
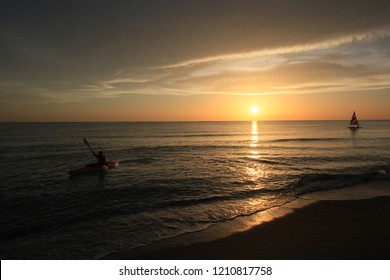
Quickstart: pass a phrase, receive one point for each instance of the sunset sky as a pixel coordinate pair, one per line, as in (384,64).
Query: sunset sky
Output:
(194,60)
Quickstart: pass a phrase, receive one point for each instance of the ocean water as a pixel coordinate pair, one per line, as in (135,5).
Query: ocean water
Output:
(174,178)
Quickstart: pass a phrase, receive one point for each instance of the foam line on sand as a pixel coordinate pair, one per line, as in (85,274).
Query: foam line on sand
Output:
(348,223)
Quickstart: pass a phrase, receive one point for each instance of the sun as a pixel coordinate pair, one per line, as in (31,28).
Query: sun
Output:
(254,110)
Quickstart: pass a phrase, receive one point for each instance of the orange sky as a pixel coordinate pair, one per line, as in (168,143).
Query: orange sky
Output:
(209,107)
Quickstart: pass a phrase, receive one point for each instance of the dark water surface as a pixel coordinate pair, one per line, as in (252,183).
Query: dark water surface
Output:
(174,178)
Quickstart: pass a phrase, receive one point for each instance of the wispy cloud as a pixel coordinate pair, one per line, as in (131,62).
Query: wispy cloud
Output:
(354,62)
(322,45)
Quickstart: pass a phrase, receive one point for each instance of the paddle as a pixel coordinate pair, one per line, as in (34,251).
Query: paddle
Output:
(86,143)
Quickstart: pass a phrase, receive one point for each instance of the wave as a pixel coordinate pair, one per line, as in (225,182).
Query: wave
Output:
(307,183)
(306,140)
(267,161)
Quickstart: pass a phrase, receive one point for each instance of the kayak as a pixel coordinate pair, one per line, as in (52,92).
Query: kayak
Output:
(93,167)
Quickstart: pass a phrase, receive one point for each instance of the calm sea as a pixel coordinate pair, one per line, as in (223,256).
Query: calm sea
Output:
(174,178)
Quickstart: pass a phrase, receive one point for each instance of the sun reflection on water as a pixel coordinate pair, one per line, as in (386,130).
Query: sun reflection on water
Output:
(255,136)
(255,170)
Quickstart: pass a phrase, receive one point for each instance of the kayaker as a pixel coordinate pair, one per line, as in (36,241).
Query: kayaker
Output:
(100,157)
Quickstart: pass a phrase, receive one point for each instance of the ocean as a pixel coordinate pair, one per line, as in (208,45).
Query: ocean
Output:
(174,178)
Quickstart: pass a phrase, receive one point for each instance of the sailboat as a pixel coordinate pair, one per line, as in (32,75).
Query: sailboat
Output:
(354,123)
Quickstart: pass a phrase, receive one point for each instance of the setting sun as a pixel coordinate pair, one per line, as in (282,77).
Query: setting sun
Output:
(255,110)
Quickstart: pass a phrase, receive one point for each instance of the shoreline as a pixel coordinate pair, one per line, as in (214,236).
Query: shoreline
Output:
(347,223)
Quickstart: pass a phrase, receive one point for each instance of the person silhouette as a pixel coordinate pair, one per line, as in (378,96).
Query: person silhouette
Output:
(100,157)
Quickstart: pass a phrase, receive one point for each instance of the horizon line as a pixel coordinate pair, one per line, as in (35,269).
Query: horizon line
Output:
(188,121)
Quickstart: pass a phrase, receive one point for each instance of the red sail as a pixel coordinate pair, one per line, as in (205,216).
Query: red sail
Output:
(354,120)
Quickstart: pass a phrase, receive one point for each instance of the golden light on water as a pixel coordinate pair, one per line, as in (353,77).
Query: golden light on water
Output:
(255,136)
(255,170)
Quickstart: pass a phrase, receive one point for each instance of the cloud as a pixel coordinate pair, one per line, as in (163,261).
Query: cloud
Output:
(331,43)
(356,63)
(72,50)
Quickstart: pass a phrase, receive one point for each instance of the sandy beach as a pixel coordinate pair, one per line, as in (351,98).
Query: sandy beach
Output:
(350,223)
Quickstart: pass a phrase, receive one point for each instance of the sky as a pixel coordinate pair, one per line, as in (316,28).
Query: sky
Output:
(177,60)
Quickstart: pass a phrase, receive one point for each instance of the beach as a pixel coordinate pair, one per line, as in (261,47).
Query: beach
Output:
(351,223)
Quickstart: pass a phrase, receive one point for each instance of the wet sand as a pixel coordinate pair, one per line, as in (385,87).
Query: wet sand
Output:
(351,223)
